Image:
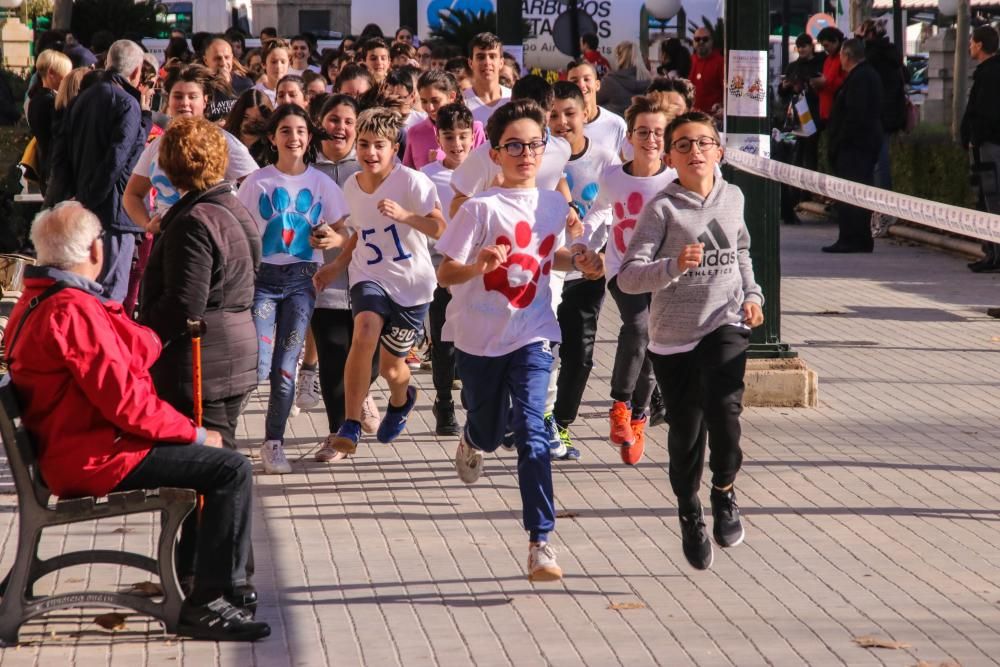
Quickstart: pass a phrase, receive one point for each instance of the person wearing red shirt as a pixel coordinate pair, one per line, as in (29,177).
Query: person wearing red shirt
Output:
(707,73)
(833,72)
(588,46)
(88,400)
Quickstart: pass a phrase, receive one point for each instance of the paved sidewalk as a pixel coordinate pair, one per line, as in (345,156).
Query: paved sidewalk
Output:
(877,513)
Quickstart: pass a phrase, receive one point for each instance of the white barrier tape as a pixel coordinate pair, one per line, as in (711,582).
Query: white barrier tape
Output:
(964,221)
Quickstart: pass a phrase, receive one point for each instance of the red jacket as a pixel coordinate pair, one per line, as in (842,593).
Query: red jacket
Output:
(81,369)
(835,76)
(708,77)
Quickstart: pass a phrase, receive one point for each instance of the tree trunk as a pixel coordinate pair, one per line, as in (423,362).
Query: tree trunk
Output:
(62,14)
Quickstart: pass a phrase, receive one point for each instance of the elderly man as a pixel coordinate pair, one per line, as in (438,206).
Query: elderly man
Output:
(81,369)
(102,140)
(707,73)
(854,140)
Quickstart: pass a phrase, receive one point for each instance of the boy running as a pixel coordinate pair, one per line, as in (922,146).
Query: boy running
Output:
(499,252)
(393,211)
(691,250)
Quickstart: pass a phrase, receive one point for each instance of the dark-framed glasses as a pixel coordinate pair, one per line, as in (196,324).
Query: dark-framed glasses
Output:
(644,134)
(517,148)
(685,144)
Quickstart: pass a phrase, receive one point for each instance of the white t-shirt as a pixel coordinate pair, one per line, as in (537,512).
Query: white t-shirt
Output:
(240,164)
(583,175)
(413,118)
(476,174)
(506,309)
(622,198)
(607,130)
(272,95)
(389,253)
(300,72)
(287,208)
(480,110)
(440,175)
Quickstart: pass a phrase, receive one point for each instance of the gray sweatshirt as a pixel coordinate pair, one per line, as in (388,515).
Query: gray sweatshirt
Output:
(688,306)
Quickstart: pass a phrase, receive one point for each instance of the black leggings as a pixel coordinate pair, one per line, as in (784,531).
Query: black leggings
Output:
(578,313)
(333,330)
(442,352)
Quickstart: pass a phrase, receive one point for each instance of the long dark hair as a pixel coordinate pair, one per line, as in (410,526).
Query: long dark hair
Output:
(316,134)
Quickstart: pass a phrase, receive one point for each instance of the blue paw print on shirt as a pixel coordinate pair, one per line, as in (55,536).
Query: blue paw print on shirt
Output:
(587,195)
(166,194)
(287,229)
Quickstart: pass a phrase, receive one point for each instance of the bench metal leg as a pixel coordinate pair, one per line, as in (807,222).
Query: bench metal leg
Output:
(12,607)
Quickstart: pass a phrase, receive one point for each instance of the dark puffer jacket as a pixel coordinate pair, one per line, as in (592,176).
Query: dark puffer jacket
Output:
(203,266)
(884,57)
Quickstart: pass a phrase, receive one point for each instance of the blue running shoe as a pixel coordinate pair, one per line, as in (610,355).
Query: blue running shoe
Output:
(394,420)
(347,438)
(571,453)
(557,448)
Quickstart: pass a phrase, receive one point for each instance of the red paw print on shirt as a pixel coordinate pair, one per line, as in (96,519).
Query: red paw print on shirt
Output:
(631,208)
(517,278)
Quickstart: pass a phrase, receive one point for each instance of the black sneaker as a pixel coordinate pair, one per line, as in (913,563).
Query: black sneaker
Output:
(243,597)
(219,621)
(657,410)
(728,529)
(444,416)
(697,546)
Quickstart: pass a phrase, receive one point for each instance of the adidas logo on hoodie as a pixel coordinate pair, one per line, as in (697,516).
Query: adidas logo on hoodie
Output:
(718,251)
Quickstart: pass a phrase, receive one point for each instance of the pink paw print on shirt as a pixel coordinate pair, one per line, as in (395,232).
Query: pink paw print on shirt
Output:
(625,215)
(517,278)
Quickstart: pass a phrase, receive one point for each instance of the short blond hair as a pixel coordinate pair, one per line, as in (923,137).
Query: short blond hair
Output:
(193,154)
(50,60)
(380,122)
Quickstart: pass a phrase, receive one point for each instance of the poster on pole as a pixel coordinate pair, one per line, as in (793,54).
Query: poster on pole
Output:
(746,84)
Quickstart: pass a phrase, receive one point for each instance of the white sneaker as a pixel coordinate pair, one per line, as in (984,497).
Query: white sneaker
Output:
(272,455)
(468,462)
(370,418)
(327,454)
(542,564)
(307,390)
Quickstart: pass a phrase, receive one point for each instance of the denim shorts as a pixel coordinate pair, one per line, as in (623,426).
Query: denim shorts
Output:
(401,326)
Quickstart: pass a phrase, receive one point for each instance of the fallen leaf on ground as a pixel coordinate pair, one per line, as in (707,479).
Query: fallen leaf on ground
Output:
(112,621)
(868,641)
(621,606)
(995,339)
(122,530)
(924,663)
(567,515)
(831,312)
(146,589)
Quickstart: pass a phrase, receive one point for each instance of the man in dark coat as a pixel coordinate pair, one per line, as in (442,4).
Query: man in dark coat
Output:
(881,54)
(797,81)
(981,131)
(106,131)
(855,139)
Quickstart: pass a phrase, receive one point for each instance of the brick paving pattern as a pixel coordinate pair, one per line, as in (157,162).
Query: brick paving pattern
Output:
(877,513)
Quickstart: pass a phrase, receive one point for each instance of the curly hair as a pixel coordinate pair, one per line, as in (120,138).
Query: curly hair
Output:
(193,154)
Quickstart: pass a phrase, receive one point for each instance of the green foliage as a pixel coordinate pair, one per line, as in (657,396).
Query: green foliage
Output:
(121,17)
(928,164)
(14,222)
(459,27)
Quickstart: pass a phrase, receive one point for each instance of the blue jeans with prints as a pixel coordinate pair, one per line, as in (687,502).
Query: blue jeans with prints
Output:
(282,306)
(519,379)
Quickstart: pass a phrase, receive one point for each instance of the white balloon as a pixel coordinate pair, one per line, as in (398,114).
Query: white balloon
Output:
(948,7)
(663,9)
(10,4)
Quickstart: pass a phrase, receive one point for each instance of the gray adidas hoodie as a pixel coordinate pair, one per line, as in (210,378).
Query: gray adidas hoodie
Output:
(687,307)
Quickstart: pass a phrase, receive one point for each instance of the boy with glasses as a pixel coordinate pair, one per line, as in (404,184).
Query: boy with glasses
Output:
(691,251)
(499,253)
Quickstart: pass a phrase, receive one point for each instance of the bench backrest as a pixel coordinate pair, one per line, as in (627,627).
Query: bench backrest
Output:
(19,447)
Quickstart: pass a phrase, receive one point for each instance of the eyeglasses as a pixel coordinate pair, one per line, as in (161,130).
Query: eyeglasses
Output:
(517,148)
(644,134)
(702,39)
(685,145)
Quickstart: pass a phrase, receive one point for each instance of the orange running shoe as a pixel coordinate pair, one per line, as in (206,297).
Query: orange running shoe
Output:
(621,432)
(631,454)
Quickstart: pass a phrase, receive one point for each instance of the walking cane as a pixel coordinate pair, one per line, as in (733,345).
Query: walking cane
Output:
(197,329)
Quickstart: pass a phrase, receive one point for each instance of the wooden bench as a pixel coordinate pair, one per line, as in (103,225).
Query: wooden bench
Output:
(19,603)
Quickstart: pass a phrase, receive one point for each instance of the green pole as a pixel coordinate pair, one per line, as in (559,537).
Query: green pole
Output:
(747,28)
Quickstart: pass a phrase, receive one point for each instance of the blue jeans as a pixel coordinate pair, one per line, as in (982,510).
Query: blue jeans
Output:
(282,306)
(489,386)
(119,249)
(883,168)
